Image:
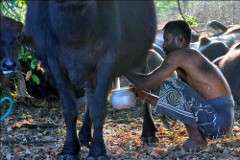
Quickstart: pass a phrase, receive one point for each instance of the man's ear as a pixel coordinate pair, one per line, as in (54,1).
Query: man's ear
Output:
(180,39)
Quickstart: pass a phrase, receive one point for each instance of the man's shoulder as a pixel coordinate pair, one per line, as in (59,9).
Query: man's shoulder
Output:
(191,52)
(184,53)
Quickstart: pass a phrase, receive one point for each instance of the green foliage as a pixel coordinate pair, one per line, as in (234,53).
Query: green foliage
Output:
(27,57)
(166,8)
(163,7)
(20,3)
(1,6)
(14,9)
(189,19)
(34,63)
(35,79)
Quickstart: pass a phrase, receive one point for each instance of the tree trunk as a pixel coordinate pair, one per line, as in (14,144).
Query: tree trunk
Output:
(21,86)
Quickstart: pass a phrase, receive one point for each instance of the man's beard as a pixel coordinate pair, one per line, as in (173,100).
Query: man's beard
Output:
(171,48)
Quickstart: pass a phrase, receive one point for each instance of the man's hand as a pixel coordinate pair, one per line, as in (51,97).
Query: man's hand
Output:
(137,79)
(139,93)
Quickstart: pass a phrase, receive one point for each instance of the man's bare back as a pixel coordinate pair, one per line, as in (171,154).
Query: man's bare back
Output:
(201,74)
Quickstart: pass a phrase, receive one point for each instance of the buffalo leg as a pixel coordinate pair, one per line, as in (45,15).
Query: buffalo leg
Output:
(149,128)
(85,132)
(98,111)
(71,146)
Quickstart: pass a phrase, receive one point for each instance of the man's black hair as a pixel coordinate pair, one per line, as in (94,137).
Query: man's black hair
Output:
(177,27)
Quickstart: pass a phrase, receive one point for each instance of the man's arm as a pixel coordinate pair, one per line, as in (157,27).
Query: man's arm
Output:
(152,99)
(165,70)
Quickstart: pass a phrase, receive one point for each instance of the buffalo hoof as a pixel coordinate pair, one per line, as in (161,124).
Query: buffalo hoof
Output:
(68,157)
(85,143)
(149,139)
(85,139)
(99,158)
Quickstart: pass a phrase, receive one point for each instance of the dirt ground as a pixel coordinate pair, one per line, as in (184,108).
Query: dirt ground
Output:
(35,130)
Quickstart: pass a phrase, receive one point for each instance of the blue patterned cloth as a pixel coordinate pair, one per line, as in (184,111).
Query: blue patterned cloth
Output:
(214,118)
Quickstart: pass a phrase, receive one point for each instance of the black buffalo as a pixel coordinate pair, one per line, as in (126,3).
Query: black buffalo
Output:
(217,26)
(211,49)
(11,37)
(229,65)
(228,37)
(90,42)
(217,46)
(221,29)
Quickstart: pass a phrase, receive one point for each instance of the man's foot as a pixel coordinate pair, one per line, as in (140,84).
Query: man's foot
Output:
(192,144)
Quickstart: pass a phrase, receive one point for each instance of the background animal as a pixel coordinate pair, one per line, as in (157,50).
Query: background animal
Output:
(217,27)
(217,45)
(11,38)
(211,49)
(229,65)
(228,36)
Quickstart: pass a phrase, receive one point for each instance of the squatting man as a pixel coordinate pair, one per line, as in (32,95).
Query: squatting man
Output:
(200,98)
